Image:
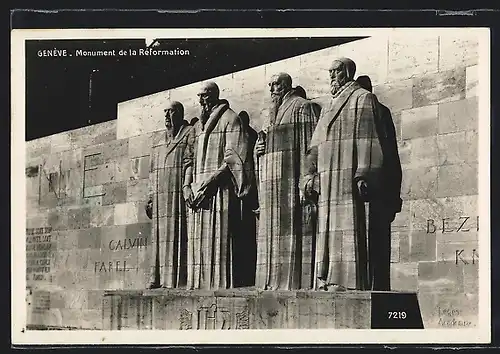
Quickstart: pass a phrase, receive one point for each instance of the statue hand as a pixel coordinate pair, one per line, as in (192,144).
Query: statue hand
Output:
(302,196)
(188,195)
(260,147)
(210,185)
(206,183)
(307,193)
(363,190)
(309,188)
(149,209)
(199,199)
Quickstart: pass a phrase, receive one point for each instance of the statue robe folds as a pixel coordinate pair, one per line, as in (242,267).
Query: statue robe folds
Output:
(286,231)
(169,166)
(217,234)
(247,252)
(346,148)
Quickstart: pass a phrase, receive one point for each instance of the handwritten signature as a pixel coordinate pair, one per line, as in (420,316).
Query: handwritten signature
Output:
(450,317)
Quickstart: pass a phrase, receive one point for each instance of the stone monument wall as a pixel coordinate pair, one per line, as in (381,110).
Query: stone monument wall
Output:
(86,229)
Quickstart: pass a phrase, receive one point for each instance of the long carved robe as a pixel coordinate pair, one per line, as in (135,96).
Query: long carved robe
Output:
(285,242)
(169,163)
(216,230)
(347,149)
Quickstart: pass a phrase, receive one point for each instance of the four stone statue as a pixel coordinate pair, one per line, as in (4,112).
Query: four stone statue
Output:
(306,203)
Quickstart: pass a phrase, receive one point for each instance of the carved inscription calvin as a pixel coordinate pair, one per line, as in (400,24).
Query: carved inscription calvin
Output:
(128,243)
(214,317)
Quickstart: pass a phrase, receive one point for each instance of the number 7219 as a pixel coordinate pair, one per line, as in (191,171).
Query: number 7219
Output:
(397,315)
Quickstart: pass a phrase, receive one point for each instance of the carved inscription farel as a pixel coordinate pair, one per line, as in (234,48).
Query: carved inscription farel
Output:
(110,266)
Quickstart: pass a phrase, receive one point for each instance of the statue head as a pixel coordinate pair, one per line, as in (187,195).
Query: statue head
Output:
(209,97)
(174,115)
(365,82)
(341,72)
(280,84)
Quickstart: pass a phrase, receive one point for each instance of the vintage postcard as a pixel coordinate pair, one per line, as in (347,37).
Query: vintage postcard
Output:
(251,186)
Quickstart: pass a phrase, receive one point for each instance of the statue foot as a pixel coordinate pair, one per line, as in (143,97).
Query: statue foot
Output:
(321,284)
(154,286)
(336,288)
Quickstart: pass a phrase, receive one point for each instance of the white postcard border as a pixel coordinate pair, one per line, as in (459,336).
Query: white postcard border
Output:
(480,334)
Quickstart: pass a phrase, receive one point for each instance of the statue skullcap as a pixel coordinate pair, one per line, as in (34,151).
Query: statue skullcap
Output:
(210,87)
(349,66)
(177,106)
(283,77)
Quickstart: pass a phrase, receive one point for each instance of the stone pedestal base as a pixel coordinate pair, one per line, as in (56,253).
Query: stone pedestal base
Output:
(168,309)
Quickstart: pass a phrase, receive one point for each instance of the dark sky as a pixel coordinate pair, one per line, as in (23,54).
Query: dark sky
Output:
(57,88)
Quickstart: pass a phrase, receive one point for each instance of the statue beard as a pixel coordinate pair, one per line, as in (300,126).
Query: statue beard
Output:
(336,85)
(170,133)
(206,109)
(169,129)
(276,101)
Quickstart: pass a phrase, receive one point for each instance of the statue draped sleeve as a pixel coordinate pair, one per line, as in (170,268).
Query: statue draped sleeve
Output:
(311,171)
(236,156)
(188,160)
(392,173)
(307,117)
(310,167)
(152,166)
(368,148)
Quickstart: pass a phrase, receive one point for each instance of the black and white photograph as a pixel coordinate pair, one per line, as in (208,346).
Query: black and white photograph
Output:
(251,186)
